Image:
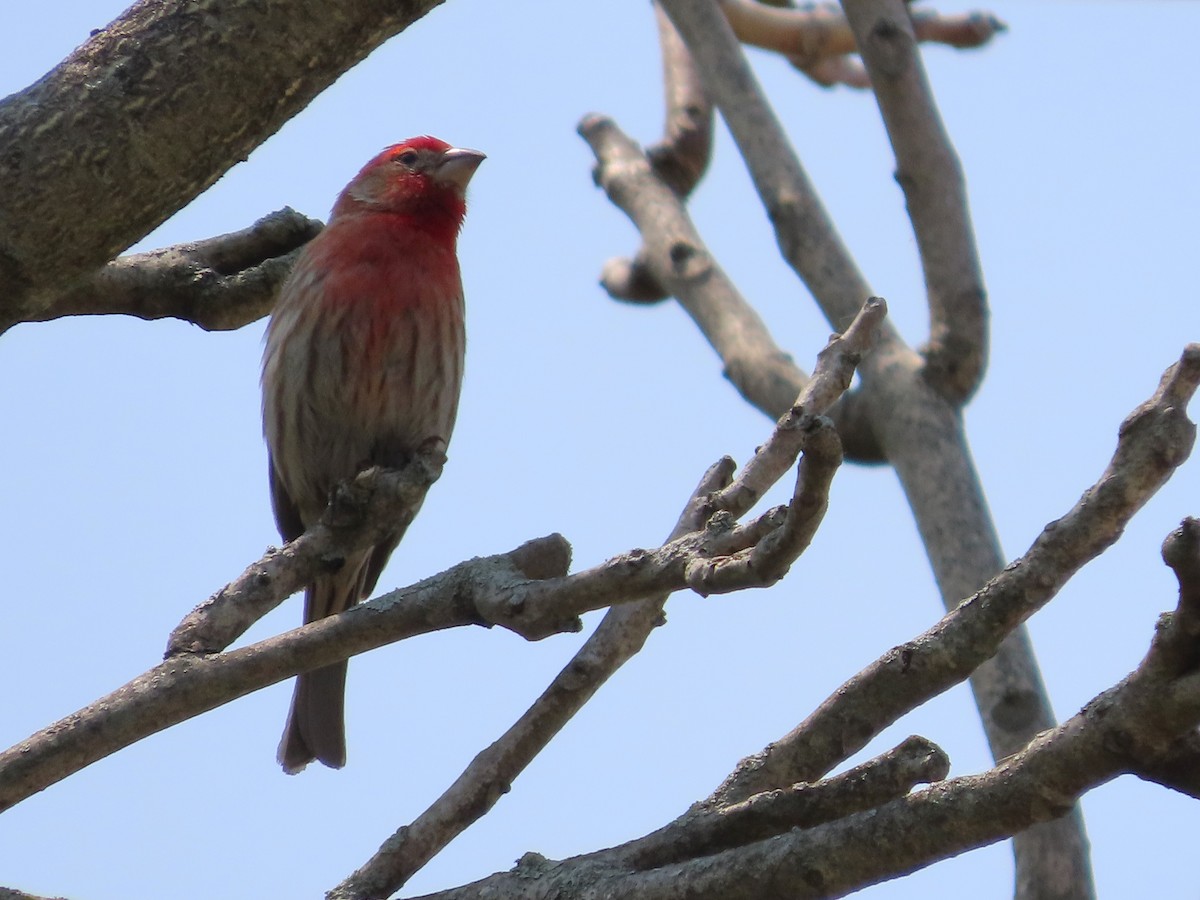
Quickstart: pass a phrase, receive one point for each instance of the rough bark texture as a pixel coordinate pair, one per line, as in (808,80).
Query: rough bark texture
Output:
(150,112)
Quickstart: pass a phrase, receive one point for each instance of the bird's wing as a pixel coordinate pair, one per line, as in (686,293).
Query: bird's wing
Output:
(287,516)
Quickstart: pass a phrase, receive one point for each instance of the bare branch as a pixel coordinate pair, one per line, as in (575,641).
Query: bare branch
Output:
(1178,768)
(219,284)
(836,365)
(914,427)
(1181,551)
(806,234)
(682,156)
(187,685)
(767,560)
(141,117)
(750,850)
(620,635)
(674,255)
(701,832)
(929,171)
(503,590)
(360,513)
(1155,439)
(676,258)
(625,628)
(679,159)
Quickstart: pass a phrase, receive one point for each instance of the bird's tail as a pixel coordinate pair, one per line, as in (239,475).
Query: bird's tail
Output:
(316,728)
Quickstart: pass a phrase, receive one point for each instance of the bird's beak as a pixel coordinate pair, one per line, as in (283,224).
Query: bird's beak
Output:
(458,165)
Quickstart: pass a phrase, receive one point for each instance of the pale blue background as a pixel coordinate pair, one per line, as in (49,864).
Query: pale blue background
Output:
(133,476)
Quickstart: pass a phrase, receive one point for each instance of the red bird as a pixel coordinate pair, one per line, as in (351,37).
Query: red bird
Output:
(363,364)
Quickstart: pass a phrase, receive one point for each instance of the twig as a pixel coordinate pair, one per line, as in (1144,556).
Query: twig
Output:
(219,284)
(766,561)
(929,172)
(836,365)
(506,590)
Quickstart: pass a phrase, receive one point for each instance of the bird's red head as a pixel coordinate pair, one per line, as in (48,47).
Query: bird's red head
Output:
(422,176)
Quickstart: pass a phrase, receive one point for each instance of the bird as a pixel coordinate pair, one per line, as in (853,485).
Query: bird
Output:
(363,365)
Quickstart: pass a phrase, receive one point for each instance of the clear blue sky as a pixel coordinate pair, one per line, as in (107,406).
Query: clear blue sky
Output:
(134,472)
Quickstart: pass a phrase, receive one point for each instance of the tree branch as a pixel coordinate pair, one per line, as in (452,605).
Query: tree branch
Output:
(702,832)
(914,427)
(185,686)
(679,159)
(806,235)
(621,634)
(766,561)
(935,192)
(219,284)
(150,112)
(507,590)
(360,514)
(1153,441)
(774,851)
(675,257)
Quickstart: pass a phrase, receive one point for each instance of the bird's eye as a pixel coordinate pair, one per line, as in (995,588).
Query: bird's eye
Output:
(408,157)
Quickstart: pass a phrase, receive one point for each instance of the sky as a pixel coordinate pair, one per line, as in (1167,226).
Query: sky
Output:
(133,468)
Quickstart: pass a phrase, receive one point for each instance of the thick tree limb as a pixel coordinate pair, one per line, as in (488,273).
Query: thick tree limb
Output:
(1147,712)
(929,172)
(150,112)
(219,284)
(620,635)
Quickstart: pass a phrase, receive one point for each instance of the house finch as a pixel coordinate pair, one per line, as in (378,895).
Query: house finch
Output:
(363,364)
